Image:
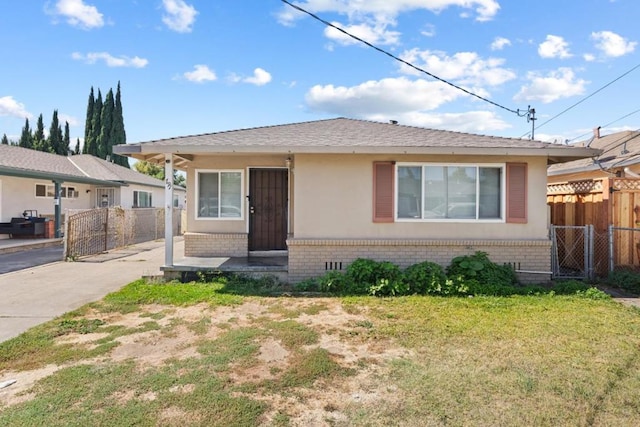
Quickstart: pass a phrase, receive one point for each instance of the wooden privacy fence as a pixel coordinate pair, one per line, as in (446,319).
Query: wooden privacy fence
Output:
(612,207)
(94,231)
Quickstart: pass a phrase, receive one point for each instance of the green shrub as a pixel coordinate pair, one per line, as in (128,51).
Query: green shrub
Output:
(625,279)
(425,278)
(568,287)
(366,276)
(480,268)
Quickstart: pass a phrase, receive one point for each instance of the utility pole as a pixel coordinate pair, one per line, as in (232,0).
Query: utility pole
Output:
(531,117)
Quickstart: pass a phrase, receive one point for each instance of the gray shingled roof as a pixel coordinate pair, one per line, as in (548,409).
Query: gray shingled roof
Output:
(19,161)
(619,149)
(344,135)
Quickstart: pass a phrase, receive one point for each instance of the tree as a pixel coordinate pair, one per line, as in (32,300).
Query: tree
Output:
(40,143)
(92,142)
(66,139)
(56,143)
(106,126)
(77,149)
(157,171)
(26,137)
(118,134)
(5,140)
(87,123)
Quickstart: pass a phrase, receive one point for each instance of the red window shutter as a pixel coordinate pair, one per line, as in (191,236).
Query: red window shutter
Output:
(517,192)
(383,177)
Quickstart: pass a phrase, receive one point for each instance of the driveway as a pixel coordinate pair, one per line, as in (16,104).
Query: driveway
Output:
(28,258)
(35,295)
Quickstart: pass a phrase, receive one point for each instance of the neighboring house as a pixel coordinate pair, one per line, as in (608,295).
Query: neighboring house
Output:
(330,191)
(602,191)
(27,182)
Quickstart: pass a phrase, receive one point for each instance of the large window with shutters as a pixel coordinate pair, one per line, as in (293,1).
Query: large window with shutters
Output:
(450,192)
(458,192)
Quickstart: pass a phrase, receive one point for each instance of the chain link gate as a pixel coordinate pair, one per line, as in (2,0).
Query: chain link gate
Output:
(572,251)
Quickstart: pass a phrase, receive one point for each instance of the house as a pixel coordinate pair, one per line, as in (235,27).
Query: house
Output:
(327,192)
(601,192)
(28,180)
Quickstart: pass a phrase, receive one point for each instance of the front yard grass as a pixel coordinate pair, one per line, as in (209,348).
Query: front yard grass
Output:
(196,354)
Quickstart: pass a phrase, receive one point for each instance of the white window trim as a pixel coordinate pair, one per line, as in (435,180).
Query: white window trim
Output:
(149,193)
(64,189)
(197,193)
(503,197)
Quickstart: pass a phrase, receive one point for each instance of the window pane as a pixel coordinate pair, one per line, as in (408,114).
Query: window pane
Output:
(208,195)
(41,190)
(435,192)
(461,192)
(490,199)
(51,191)
(409,188)
(231,194)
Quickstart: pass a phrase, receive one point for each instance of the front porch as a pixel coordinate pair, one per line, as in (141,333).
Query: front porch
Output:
(252,266)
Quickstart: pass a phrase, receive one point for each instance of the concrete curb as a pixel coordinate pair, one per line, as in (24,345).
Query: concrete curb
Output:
(24,245)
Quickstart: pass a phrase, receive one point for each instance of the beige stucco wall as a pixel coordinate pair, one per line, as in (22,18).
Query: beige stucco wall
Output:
(334,198)
(19,194)
(224,163)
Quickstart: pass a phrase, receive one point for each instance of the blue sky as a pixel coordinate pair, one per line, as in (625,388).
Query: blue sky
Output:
(197,66)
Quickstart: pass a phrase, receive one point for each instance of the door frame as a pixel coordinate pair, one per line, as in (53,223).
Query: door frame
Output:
(248,202)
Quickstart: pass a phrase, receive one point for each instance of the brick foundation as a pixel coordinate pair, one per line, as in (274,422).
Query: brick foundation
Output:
(314,257)
(216,244)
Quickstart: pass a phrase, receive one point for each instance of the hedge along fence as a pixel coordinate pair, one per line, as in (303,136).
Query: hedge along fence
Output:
(89,232)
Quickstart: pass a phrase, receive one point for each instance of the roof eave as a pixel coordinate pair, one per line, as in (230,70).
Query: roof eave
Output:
(51,176)
(559,154)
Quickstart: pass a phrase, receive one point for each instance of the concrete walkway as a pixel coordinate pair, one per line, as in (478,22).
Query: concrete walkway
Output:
(35,295)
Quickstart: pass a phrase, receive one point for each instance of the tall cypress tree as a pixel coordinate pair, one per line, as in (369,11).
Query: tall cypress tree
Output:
(88,122)
(26,137)
(95,126)
(40,143)
(118,135)
(77,149)
(55,136)
(5,140)
(66,140)
(106,126)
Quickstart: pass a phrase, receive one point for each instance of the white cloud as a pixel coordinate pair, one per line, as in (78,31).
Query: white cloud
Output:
(554,47)
(260,77)
(429,30)
(389,96)
(79,14)
(500,43)
(612,44)
(179,16)
(110,60)
(12,108)
(375,34)
(469,121)
(463,67)
(387,10)
(67,118)
(200,74)
(558,84)
(589,57)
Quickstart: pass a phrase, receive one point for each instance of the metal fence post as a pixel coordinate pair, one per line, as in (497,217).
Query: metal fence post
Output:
(611,255)
(590,270)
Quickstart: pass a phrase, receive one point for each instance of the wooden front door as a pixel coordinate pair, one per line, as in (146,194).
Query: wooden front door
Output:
(268,213)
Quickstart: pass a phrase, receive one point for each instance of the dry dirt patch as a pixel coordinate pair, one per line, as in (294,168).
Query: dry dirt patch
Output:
(176,340)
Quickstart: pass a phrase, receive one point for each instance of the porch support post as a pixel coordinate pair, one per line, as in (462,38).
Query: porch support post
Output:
(57,200)
(168,209)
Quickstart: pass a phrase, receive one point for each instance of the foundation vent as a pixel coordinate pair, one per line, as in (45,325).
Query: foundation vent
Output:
(333,265)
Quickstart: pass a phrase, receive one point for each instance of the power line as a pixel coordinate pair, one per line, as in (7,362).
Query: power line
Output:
(608,124)
(329,24)
(585,98)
